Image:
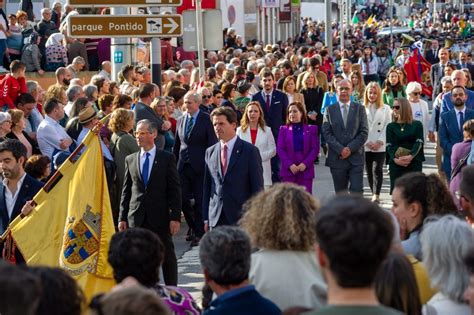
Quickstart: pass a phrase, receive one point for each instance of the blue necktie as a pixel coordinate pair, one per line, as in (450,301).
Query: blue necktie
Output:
(189,126)
(146,166)
(461,121)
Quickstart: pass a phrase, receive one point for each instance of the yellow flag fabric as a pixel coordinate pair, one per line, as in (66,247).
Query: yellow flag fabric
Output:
(370,20)
(71,224)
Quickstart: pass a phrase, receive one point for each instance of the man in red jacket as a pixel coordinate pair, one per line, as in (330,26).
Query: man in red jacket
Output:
(12,85)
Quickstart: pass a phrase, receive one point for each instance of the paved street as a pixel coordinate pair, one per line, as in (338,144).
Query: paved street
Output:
(190,275)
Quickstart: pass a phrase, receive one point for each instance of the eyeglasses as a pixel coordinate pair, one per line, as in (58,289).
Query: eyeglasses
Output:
(206,96)
(397,107)
(343,88)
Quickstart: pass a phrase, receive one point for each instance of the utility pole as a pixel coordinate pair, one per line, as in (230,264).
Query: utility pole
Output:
(328,32)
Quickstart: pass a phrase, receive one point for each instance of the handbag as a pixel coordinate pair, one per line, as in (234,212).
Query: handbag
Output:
(402,152)
(462,162)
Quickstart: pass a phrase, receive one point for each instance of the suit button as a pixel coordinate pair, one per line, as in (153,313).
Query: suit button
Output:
(380,123)
(378,130)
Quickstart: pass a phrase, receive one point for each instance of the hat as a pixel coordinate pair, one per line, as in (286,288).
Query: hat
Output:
(4,116)
(268,48)
(86,115)
(243,86)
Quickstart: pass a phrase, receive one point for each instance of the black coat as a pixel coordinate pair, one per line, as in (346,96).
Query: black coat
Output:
(158,202)
(313,99)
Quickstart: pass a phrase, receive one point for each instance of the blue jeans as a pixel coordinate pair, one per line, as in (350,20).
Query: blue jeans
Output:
(3,48)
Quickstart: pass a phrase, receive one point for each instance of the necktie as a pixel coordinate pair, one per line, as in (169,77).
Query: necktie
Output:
(189,126)
(461,121)
(344,114)
(224,159)
(146,166)
(267,101)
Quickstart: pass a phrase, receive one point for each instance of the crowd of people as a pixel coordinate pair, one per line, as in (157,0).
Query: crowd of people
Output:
(214,148)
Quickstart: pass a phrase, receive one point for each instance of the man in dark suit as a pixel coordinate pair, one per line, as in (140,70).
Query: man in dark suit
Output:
(151,195)
(450,126)
(437,71)
(18,188)
(233,172)
(194,134)
(345,130)
(465,64)
(144,111)
(274,104)
(431,55)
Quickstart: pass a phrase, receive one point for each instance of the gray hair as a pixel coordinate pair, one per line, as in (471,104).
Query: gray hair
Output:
(76,82)
(225,255)
(44,10)
(196,97)
(344,81)
(445,241)
(184,72)
(171,74)
(151,126)
(31,86)
(186,63)
(73,92)
(89,90)
(79,60)
(252,66)
(413,87)
(446,79)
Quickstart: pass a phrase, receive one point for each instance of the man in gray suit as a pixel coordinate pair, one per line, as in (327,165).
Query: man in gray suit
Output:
(144,111)
(345,130)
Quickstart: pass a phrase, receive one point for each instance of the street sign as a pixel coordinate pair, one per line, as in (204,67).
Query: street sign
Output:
(100,26)
(135,3)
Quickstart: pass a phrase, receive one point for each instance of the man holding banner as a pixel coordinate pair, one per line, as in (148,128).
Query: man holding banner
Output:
(17,189)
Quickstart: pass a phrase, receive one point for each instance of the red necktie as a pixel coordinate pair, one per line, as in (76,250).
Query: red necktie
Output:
(267,102)
(224,159)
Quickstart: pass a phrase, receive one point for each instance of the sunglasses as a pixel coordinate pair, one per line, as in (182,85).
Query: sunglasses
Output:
(397,107)
(416,93)
(206,96)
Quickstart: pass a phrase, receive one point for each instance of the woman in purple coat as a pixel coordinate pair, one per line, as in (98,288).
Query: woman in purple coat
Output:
(298,147)
(459,155)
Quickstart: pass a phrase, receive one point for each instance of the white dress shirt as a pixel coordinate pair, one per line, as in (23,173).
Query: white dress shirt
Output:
(151,159)
(10,199)
(49,135)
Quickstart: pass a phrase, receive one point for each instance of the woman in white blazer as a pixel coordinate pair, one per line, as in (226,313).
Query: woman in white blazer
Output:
(419,107)
(379,116)
(253,129)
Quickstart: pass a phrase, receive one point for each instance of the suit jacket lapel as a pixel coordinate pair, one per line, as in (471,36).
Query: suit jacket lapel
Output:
(235,154)
(137,163)
(4,220)
(350,116)
(338,114)
(217,159)
(19,199)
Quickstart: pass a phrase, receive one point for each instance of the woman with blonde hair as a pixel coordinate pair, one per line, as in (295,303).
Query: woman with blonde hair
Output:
(358,86)
(254,130)
(160,107)
(284,269)
(289,88)
(379,116)
(18,132)
(419,107)
(404,138)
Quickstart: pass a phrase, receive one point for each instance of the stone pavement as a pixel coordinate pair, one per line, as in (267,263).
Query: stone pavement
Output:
(190,275)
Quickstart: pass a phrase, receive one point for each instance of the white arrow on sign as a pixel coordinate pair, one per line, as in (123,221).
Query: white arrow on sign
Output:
(173,25)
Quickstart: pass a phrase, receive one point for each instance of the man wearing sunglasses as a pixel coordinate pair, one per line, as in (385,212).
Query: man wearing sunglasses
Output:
(206,104)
